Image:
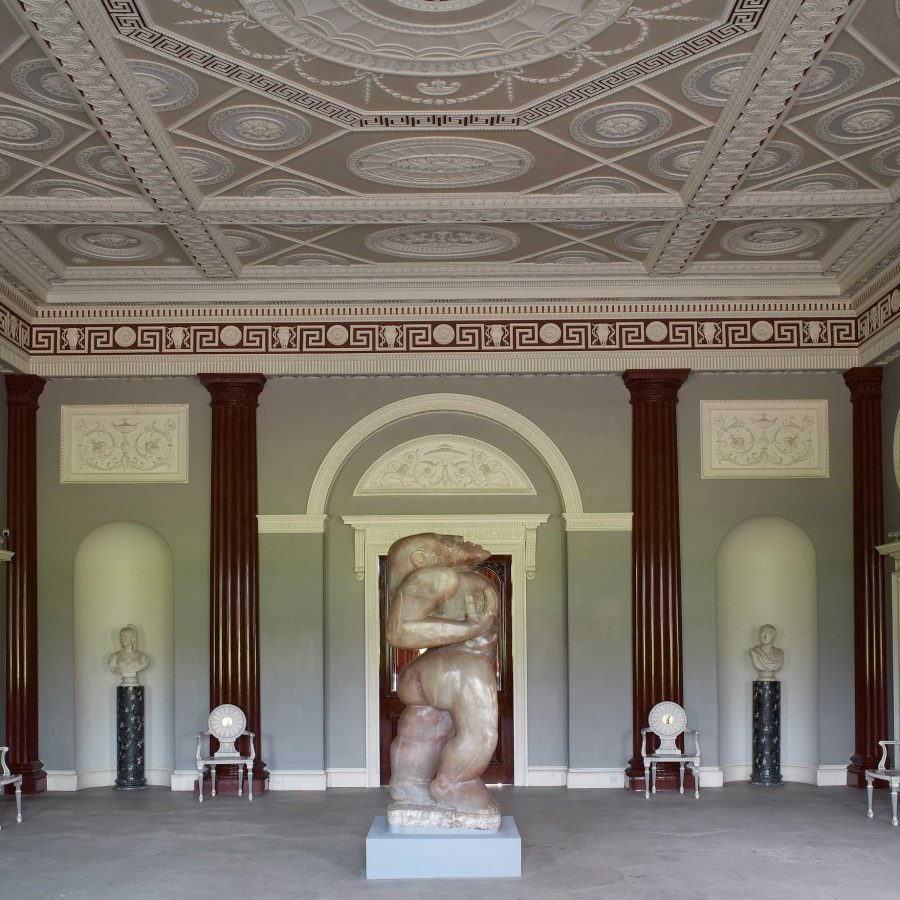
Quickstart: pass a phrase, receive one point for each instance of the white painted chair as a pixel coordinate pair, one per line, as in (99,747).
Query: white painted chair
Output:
(891,776)
(667,720)
(6,777)
(227,723)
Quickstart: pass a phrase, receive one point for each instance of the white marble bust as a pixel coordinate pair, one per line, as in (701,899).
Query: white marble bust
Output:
(767,659)
(128,661)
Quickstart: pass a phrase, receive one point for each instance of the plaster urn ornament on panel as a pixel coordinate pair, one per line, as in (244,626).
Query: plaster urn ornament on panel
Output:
(128,661)
(767,659)
(448,732)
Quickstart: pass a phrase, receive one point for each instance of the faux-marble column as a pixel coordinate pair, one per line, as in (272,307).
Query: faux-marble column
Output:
(870,648)
(22,393)
(234,560)
(656,555)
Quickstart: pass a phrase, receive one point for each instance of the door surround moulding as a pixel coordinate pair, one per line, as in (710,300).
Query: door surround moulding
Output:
(506,534)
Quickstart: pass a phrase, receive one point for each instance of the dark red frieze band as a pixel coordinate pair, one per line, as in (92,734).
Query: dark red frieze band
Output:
(870,647)
(22,393)
(656,555)
(234,560)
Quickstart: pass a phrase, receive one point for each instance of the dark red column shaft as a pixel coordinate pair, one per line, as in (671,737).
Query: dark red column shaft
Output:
(870,648)
(234,554)
(656,551)
(22,393)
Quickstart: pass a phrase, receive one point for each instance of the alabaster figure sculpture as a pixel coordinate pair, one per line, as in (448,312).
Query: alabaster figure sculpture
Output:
(128,661)
(448,732)
(766,657)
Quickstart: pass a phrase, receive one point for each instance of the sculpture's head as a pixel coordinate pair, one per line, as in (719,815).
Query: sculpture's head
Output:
(419,550)
(128,637)
(767,634)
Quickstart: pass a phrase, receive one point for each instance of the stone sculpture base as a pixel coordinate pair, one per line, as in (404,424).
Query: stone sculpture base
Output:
(411,815)
(766,734)
(130,737)
(443,852)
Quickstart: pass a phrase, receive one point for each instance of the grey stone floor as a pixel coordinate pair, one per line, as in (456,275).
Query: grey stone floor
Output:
(736,842)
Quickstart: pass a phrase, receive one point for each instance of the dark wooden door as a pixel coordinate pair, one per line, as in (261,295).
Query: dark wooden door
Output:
(500,771)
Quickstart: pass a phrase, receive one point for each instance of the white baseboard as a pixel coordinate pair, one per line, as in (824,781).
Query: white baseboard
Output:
(62,780)
(184,779)
(711,777)
(297,780)
(68,780)
(596,778)
(798,773)
(546,776)
(831,776)
(345,778)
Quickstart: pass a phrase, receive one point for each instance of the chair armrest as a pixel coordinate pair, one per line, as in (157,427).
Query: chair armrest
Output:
(644,742)
(252,735)
(200,736)
(3,765)
(884,751)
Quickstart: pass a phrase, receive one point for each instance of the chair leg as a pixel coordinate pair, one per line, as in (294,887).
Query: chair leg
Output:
(869,792)
(653,768)
(19,803)
(681,778)
(240,781)
(647,779)
(250,781)
(894,805)
(695,768)
(212,781)
(200,785)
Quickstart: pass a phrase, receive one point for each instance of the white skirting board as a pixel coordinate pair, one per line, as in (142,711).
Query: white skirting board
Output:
(546,776)
(345,778)
(68,780)
(710,776)
(799,773)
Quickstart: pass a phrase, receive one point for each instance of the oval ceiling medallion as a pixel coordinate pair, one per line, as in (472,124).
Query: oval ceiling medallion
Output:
(102,162)
(417,37)
(573,258)
(204,166)
(821,181)
(103,242)
(65,190)
(245,243)
(39,79)
(866,120)
(285,188)
(596,187)
(440,162)
(887,161)
(259,127)
(442,242)
(713,82)
(316,260)
(23,129)
(776,158)
(166,88)
(676,162)
(621,125)
(638,240)
(836,74)
(764,238)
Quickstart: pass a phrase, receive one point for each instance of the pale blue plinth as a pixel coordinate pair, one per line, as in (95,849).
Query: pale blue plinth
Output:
(443,853)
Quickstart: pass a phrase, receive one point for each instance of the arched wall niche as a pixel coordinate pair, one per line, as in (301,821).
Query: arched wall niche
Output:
(123,575)
(766,574)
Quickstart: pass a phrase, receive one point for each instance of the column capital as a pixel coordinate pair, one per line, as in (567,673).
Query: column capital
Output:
(864,382)
(654,385)
(238,389)
(23,390)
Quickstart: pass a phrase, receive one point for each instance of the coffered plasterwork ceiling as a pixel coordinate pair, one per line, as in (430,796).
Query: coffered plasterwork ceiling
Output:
(196,160)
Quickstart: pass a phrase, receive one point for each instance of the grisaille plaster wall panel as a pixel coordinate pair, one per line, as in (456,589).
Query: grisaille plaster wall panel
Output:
(764,438)
(103,444)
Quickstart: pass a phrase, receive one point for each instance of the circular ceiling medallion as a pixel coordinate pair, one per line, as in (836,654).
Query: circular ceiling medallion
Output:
(65,190)
(259,127)
(573,258)
(285,188)
(656,331)
(338,335)
(776,158)
(104,242)
(443,334)
(762,330)
(442,242)
(765,238)
(836,74)
(596,187)
(887,161)
(638,240)
(27,130)
(166,88)
(245,243)
(4,171)
(317,260)
(866,120)
(102,162)
(231,336)
(39,79)
(125,336)
(451,37)
(621,124)
(713,82)
(440,162)
(204,166)
(821,181)
(676,162)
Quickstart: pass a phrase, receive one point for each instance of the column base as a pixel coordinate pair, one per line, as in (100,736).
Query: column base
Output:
(666,777)
(34,778)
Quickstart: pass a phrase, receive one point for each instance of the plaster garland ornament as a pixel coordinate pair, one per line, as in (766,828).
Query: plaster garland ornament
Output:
(456,241)
(259,127)
(873,119)
(444,464)
(128,661)
(25,129)
(69,189)
(621,125)
(440,162)
(772,237)
(103,242)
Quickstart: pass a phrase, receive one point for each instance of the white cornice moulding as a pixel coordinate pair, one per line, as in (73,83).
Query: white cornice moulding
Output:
(6,555)
(598,521)
(298,524)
